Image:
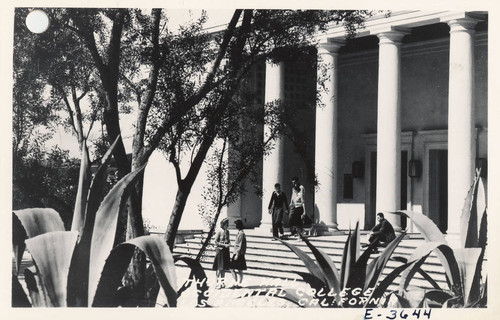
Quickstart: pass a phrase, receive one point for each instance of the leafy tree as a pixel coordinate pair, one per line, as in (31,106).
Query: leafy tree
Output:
(190,74)
(53,83)
(183,81)
(57,68)
(275,35)
(29,110)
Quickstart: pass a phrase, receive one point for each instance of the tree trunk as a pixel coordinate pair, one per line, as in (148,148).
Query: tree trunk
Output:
(135,275)
(135,226)
(109,72)
(209,236)
(185,186)
(176,215)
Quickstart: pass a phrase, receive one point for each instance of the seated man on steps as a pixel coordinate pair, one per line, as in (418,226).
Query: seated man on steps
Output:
(382,233)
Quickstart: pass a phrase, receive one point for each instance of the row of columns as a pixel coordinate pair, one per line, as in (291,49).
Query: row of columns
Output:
(461,141)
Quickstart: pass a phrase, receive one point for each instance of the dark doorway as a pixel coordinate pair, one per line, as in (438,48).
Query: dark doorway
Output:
(370,215)
(404,186)
(438,188)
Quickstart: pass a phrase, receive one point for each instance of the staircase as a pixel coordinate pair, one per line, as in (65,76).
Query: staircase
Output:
(267,258)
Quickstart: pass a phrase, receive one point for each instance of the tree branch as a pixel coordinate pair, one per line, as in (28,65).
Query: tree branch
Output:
(87,35)
(219,174)
(181,110)
(78,113)
(146,104)
(175,163)
(68,107)
(135,88)
(92,121)
(207,86)
(228,35)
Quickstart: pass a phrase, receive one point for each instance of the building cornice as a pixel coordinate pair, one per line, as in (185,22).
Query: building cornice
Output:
(410,49)
(401,19)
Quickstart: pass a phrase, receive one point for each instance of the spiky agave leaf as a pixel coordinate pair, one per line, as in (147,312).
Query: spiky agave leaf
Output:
(420,254)
(434,299)
(474,207)
(116,265)
(106,294)
(475,292)
(327,267)
(483,296)
(19,298)
(18,245)
(426,226)
(313,268)
(29,223)
(467,260)
(381,288)
(83,191)
(37,221)
(311,280)
(78,278)
(321,290)
(483,228)
(377,265)
(105,227)
(429,279)
(424,274)
(432,233)
(96,188)
(51,254)
(452,271)
(36,290)
(163,263)
(198,275)
(358,271)
(350,255)
(395,300)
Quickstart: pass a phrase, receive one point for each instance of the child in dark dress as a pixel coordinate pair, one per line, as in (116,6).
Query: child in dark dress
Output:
(238,261)
(222,259)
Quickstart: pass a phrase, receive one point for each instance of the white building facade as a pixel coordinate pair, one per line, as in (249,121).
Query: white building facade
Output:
(402,123)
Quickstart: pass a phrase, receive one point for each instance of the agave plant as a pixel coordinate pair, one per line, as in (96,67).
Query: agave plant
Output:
(463,265)
(84,266)
(357,278)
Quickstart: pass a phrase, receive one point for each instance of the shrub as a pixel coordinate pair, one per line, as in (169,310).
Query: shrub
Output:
(84,266)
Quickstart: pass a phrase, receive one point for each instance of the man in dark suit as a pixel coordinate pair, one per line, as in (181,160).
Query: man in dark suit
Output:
(382,233)
(277,207)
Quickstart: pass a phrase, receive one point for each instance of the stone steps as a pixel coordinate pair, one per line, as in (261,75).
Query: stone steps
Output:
(266,258)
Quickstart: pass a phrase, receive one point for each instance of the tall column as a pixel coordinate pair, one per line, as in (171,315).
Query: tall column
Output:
(461,131)
(389,125)
(273,170)
(327,135)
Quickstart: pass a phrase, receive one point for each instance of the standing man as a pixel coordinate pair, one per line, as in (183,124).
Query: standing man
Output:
(277,205)
(297,207)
